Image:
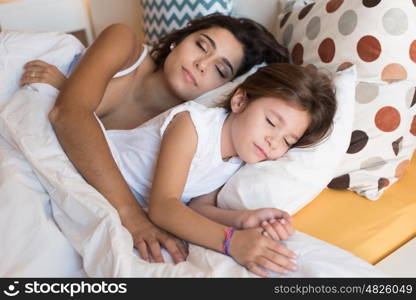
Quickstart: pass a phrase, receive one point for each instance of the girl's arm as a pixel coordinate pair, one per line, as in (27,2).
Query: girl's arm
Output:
(83,141)
(275,222)
(248,247)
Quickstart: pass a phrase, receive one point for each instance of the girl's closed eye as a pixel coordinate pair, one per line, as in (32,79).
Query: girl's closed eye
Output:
(270,122)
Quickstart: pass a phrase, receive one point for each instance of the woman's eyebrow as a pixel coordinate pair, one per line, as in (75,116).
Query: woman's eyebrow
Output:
(212,42)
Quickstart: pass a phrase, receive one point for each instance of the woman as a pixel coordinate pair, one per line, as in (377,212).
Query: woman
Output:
(185,64)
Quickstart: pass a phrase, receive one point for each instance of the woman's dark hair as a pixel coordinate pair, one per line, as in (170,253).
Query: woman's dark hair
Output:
(259,44)
(304,87)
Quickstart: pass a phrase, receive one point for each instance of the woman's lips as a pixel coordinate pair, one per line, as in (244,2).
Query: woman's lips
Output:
(260,152)
(189,77)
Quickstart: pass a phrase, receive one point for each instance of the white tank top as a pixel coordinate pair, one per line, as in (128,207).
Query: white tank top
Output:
(135,152)
(133,67)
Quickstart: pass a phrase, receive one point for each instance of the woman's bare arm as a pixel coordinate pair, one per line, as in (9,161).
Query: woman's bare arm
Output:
(82,139)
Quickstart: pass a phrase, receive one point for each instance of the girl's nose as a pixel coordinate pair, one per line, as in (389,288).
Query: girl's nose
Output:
(272,142)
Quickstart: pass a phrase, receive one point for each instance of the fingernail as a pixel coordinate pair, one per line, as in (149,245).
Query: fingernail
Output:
(294,268)
(272,221)
(285,272)
(263,223)
(283,221)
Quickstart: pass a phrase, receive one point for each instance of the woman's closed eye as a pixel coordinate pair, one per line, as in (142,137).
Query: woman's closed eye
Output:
(202,46)
(220,71)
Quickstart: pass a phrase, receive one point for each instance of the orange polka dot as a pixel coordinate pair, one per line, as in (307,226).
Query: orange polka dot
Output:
(344,65)
(387,119)
(368,48)
(401,168)
(412,51)
(297,54)
(413,126)
(333,5)
(326,50)
(393,72)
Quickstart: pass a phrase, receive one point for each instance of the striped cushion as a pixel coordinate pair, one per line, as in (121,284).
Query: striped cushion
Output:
(163,16)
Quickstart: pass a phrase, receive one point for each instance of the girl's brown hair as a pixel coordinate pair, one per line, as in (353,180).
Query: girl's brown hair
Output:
(259,44)
(305,87)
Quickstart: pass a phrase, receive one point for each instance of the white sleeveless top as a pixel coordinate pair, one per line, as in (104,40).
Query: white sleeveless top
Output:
(133,67)
(135,152)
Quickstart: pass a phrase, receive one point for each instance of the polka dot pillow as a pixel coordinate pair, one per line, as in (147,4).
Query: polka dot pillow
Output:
(383,138)
(163,16)
(379,38)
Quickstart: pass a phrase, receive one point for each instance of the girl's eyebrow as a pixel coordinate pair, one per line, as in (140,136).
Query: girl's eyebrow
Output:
(225,60)
(281,120)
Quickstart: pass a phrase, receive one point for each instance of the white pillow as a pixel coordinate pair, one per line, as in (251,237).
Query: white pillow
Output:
(297,178)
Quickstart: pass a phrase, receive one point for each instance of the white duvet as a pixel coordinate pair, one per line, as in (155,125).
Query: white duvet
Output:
(54,224)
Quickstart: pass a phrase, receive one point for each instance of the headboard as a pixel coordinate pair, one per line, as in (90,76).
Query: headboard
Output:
(263,11)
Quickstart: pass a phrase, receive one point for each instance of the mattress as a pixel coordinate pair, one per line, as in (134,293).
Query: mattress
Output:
(369,229)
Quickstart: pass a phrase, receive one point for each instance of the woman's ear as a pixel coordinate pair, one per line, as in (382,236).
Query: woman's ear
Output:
(238,101)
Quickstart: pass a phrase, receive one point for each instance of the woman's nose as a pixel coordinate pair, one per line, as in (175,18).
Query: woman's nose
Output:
(202,64)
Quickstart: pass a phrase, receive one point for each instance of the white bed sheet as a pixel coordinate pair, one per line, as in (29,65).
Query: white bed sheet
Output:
(53,223)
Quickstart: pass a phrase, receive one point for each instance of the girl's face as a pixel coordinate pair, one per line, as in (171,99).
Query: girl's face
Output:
(265,128)
(203,61)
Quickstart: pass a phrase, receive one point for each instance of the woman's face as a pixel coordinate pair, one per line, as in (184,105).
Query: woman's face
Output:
(265,128)
(203,61)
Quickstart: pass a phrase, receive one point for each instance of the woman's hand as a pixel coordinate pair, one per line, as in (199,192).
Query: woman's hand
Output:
(276,223)
(38,71)
(256,252)
(149,239)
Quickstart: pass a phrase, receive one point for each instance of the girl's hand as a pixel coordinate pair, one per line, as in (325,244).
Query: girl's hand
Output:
(276,223)
(38,71)
(255,251)
(149,239)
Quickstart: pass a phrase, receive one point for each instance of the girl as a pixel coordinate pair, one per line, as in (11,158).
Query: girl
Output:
(190,151)
(117,81)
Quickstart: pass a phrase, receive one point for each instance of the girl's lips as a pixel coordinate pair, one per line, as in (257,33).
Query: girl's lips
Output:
(189,77)
(260,152)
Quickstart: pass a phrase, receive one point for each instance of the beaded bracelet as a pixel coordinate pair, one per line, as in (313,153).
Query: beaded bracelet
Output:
(228,235)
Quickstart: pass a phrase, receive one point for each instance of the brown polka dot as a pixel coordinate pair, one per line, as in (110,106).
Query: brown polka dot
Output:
(297,54)
(333,5)
(414,2)
(358,141)
(326,50)
(382,183)
(397,145)
(393,72)
(413,126)
(340,183)
(412,51)
(401,168)
(387,119)
(284,19)
(368,48)
(371,3)
(344,65)
(305,11)
(413,102)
